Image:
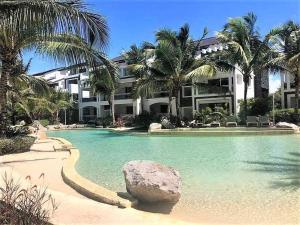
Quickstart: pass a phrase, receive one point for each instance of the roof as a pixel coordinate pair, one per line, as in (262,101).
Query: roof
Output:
(118,58)
(208,41)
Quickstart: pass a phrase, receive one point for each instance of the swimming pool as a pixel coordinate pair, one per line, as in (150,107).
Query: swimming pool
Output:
(234,179)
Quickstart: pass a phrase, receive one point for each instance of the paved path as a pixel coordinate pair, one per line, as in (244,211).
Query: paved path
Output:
(73,208)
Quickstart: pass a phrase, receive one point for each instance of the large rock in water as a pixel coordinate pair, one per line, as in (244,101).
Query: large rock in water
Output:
(152,182)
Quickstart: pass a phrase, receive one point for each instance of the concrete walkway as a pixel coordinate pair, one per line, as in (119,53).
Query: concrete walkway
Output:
(44,165)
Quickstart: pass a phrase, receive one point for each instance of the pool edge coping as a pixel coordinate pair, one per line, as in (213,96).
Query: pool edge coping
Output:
(83,185)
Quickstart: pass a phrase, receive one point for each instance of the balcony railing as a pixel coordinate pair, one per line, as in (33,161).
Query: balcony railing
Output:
(160,95)
(91,99)
(207,89)
(123,96)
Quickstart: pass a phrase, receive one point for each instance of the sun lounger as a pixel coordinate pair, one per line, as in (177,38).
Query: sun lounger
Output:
(264,121)
(215,124)
(252,121)
(231,121)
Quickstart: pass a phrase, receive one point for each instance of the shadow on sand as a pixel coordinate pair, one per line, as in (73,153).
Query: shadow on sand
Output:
(160,207)
(288,168)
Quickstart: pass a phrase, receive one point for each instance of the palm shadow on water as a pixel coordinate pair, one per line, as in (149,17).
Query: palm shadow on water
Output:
(288,169)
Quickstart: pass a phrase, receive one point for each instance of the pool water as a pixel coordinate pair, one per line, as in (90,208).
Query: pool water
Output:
(231,179)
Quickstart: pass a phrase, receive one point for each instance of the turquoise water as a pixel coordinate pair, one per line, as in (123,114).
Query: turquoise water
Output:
(217,172)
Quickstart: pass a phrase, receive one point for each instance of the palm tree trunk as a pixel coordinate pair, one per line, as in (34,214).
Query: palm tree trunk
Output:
(112,107)
(7,66)
(245,100)
(178,114)
(297,82)
(170,105)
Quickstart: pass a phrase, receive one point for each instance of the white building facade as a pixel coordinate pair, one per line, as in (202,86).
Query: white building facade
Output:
(288,90)
(223,90)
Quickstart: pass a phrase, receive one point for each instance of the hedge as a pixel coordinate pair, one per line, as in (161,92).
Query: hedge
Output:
(16,144)
(287,115)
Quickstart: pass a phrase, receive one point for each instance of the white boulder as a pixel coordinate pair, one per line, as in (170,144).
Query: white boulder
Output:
(287,125)
(154,126)
(152,182)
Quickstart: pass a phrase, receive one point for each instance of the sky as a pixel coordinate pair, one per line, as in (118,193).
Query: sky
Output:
(134,21)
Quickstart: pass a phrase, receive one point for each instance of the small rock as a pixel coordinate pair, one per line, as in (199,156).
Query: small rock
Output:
(155,126)
(152,182)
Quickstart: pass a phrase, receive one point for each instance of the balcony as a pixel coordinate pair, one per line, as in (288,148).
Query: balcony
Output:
(123,96)
(91,99)
(208,89)
(159,95)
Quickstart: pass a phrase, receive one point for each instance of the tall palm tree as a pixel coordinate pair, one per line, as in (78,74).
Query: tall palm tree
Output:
(137,59)
(175,63)
(245,48)
(104,80)
(62,29)
(286,42)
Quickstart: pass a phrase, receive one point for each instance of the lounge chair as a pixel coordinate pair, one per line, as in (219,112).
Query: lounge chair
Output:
(264,121)
(231,121)
(215,124)
(252,121)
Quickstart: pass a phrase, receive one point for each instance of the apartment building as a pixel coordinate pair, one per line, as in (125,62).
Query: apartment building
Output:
(287,90)
(223,90)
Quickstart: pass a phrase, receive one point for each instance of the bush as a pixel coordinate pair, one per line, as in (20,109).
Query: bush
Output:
(287,115)
(44,122)
(16,144)
(145,119)
(27,206)
(14,131)
(105,122)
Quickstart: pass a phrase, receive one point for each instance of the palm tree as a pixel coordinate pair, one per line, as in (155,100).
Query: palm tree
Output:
(245,49)
(175,63)
(286,43)
(61,29)
(137,59)
(104,80)
(22,86)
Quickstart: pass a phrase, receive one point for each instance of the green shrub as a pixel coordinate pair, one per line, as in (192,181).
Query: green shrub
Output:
(105,122)
(44,122)
(145,119)
(16,144)
(287,115)
(14,131)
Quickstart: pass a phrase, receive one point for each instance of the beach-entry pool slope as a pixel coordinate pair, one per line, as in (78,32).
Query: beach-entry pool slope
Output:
(226,180)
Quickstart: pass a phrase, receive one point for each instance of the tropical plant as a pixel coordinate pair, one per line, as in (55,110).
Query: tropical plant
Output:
(21,86)
(175,63)
(104,80)
(137,59)
(286,42)
(51,104)
(245,51)
(29,205)
(62,29)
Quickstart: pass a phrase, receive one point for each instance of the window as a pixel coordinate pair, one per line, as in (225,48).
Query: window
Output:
(129,110)
(82,70)
(187,91)
(163,108)
(128,89)
(75,97)
(106,107)
(125,72)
